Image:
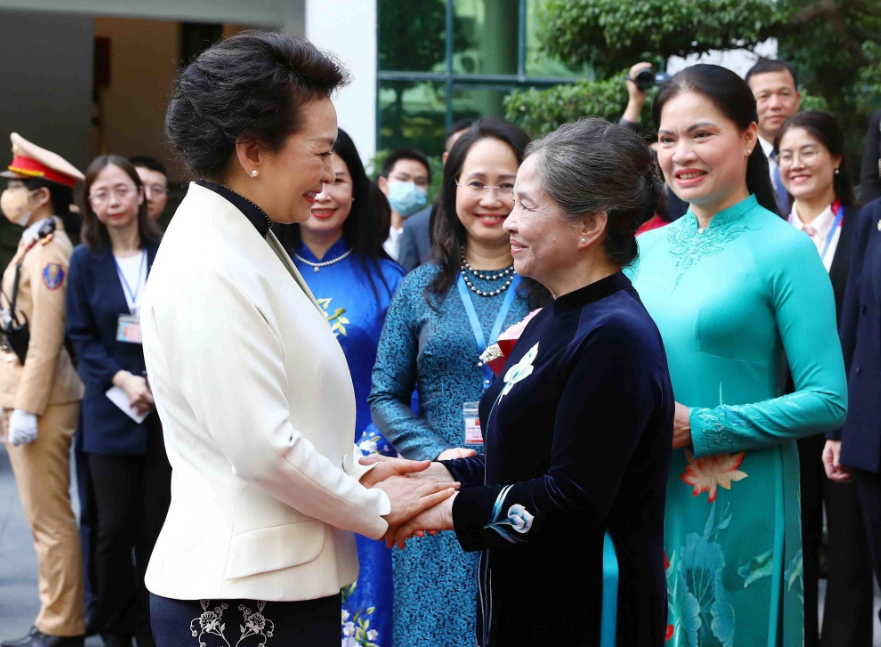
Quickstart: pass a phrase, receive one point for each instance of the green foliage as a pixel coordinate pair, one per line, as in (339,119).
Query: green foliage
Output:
(835,46)
(607,33)
(541,112)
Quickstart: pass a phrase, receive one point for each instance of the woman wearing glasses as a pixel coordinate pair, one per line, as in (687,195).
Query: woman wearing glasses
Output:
(122,437)
(440,320)
(813,165)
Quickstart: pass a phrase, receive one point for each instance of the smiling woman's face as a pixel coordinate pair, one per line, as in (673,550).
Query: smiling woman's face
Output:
(544,243)
(489,162)
(334,204)
(702,153)
(806,166)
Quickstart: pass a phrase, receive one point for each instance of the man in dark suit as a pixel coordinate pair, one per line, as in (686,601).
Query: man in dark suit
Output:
(854,452)
(416,239)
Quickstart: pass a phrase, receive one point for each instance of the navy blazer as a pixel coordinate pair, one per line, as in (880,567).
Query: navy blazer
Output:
(95,299)
(860,332)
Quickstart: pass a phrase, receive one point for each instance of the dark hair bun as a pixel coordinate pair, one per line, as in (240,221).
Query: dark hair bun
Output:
(251,85)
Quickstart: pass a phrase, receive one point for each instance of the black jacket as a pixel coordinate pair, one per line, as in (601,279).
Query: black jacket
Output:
(860,331)
(870,170)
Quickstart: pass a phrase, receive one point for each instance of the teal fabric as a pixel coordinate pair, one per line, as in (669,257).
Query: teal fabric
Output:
(733,303)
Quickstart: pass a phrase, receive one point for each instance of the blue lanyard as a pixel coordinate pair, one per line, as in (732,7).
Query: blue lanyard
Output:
(835,226)
(125,285)
(464,293)
(832,231)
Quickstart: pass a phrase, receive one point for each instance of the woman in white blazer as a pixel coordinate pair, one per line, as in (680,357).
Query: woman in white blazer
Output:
(253,390)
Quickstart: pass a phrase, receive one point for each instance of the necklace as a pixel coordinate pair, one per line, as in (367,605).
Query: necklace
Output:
(317,266)
(502,273)
(509,272)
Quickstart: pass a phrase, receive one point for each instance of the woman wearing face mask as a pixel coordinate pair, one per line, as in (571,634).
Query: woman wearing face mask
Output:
(439,322)
(40,391)
(129,469)
(812,159)
(736,292)
(339,252)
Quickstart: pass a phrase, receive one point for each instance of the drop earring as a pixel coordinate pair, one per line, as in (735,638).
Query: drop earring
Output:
(255,173)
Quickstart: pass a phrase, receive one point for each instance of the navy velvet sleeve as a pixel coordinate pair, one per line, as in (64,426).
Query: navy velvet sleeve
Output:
(94,363)
(469,472)
(601,415)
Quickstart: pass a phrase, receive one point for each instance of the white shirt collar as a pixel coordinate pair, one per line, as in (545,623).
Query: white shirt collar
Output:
(392,246)
(767,146)
(31,232)
(822,223)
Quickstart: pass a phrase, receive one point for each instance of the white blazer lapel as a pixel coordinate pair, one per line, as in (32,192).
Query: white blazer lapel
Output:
(290,267)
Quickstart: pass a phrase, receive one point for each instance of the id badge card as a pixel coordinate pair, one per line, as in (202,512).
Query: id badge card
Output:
(128,329)
(473,433)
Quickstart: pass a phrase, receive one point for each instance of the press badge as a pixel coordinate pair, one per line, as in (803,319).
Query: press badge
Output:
(128,329)
(473,434)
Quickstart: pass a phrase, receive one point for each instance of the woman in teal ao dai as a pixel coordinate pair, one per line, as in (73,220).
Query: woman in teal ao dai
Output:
(735,292)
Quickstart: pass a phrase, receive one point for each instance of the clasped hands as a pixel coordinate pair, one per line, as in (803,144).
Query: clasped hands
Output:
(421,494)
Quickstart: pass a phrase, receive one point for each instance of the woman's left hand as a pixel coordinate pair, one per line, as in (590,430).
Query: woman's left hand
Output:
(431,521)
(681,427)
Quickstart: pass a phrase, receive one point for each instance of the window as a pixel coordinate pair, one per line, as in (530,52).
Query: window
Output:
(444,60)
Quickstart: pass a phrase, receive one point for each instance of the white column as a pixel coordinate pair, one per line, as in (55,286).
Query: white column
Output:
(347,29)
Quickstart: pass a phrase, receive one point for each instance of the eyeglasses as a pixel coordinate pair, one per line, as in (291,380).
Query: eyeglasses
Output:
(100,198)
(808,157)
(478,189)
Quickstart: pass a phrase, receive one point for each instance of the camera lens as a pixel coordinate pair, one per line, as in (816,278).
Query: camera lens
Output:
(644,79)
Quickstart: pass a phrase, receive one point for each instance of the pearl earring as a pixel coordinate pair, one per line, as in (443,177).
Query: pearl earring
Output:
(583,240)
(255,173)
(836,171)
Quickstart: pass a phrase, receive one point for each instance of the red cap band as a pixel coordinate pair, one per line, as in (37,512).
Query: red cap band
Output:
(32,168)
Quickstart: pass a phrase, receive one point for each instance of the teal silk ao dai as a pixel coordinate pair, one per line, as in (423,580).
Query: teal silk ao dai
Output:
(733,303)
(356,317)
(435,580)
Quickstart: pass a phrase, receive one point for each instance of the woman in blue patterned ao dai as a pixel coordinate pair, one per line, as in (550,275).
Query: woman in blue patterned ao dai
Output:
(579,430)
(339,253)
(428,340)
(736,292)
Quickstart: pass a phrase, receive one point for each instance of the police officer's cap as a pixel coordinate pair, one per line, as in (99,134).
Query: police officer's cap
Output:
(31,161)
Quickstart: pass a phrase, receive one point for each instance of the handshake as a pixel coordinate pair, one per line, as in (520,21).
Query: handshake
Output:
(421,494)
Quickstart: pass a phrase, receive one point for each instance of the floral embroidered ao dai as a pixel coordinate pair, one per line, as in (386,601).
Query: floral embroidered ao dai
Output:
(733,303)
(356,317)
(435,580)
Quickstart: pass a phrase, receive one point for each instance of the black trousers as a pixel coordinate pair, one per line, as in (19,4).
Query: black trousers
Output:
(220,623)
(869,491)
(132,494)
(847,614)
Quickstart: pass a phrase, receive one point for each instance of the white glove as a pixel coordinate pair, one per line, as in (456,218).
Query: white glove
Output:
(22,428)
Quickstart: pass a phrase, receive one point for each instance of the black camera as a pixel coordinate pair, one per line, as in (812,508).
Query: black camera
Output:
(646,79)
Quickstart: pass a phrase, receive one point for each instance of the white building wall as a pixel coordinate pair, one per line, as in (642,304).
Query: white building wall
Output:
(347,29)
(736,60)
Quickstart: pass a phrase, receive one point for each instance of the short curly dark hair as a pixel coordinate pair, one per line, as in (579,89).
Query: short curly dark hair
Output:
(251,85)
